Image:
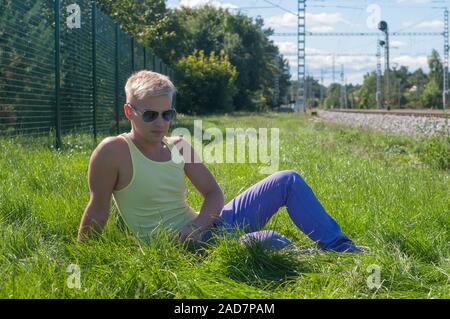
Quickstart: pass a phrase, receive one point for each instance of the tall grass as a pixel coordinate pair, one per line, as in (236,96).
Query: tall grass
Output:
(388,192)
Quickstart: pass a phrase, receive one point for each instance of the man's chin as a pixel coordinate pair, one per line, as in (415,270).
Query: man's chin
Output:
(156,137)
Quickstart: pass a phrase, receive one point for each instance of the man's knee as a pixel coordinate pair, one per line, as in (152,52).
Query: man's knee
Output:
(292,179)
(288,175)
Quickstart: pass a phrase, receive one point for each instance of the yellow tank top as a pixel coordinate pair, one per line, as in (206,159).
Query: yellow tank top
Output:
(156,194)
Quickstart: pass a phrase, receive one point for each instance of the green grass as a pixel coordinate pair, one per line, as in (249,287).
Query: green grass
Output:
(390,193)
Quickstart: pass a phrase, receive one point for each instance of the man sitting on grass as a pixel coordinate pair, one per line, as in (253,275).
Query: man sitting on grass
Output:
(145,173)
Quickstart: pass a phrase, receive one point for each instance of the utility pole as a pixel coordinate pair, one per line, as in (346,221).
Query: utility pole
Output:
(378,96)
(306,90)
(343,97)
(321,87)
(301,54)
(334,68)
(383,26)
(446,53)
(345,94)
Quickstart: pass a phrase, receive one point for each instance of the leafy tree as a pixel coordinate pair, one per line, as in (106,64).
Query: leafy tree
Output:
(243,39)
(415,84)
(333,96)
(436,68)
(284,81)
(431,95)
(364,95)
(175,34)
(206,84)
(145,20)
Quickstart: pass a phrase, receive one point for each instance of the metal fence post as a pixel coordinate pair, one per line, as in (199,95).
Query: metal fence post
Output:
(56,8)
(145,59)
(174,83)
(116,76)
(94,70)
(132,54)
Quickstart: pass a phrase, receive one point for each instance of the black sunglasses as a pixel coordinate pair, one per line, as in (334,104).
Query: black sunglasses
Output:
(150,116)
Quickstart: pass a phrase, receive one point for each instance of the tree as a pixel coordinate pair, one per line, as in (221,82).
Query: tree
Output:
(333,96)
(243,39)
(145,20)
(415,84)
(366,97)
(436,68)
(431,95)
(284,81)
(176,33)
(206,84)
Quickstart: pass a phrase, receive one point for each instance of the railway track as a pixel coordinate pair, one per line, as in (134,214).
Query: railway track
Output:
(403,112)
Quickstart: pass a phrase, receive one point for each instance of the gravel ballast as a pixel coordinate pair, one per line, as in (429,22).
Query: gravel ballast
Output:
(400,124)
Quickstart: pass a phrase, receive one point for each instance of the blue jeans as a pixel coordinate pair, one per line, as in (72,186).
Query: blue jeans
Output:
(253,208)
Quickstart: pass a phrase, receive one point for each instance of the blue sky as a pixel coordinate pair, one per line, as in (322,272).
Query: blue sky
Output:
(346,16)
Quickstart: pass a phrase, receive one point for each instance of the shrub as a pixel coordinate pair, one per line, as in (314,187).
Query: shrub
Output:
(205,84)
(436,152)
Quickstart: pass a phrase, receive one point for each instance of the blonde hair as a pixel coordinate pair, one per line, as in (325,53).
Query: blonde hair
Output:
(146,83)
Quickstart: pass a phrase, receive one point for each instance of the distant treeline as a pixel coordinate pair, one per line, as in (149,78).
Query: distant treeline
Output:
(407,89)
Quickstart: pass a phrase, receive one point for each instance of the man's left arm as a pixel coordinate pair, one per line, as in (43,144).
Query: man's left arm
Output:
(205,183)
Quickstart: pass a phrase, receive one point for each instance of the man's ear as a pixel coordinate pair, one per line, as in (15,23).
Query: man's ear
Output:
(126,111)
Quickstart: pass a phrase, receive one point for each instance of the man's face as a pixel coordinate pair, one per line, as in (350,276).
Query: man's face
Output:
(151,131)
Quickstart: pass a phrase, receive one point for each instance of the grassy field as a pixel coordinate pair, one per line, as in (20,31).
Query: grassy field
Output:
(390,193)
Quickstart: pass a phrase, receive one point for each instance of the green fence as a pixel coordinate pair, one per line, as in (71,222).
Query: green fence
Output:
(63,68)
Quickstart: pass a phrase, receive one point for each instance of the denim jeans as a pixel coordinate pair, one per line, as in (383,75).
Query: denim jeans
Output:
(253,208)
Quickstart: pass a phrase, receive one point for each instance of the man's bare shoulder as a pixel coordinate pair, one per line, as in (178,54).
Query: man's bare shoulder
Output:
(111,146)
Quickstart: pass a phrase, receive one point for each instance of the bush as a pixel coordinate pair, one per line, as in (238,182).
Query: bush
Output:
(436,152)
(205,84)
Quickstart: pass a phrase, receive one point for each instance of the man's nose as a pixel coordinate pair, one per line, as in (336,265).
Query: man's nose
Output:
(159,122)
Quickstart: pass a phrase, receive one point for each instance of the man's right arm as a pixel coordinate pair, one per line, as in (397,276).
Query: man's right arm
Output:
(102,176)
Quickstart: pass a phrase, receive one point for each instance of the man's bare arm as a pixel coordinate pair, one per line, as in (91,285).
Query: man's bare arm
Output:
(205,183)
(102,175)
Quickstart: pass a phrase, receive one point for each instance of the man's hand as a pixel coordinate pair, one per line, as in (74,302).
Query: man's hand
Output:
(191,233)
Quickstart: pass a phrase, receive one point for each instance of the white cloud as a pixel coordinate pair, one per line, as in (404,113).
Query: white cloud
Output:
(310,50)
(413,1)
(397,44)
(321,22)
(325,18)
(413,62)
(425,24)
(323,28)
(351,63)
(286,20)
(200,3)
(287,48)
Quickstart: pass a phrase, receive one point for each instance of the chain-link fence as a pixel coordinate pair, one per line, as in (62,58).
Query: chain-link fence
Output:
(63,67)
